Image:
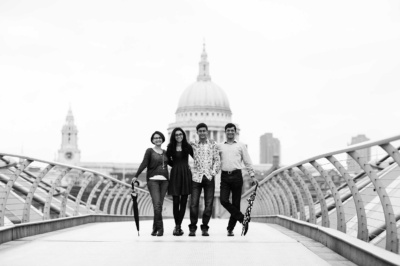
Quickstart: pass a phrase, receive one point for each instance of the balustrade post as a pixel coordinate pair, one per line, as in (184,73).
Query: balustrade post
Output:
(320,196)
(66,194)
(49,198)
(92,193)
(299,197)
(390,221)
(282,195)
(291,197)
(100,198)
(341,220)
(362,231)
(6,193)
(266,201)
(274,192)
(110,195)
(308,197)
(28,201)
(272,197)
(122,208)
(115,200)
(86,182)
(392,152)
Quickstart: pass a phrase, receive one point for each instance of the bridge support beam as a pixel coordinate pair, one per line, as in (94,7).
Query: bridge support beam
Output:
(49,198)
(341,220)
(362,231)
(392,241)
(300,201)
(6,193)
(320,196)
(308,198)
(27,206)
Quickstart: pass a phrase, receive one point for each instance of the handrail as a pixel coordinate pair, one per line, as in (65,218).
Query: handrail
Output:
(30,197)
(347,208)
(66,166)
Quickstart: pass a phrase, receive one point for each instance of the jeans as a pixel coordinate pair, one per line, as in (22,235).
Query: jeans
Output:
(157,189)
(232,183)
(179,208)
(209,189)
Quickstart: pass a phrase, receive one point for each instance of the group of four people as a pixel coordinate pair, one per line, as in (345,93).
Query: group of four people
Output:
(209,158)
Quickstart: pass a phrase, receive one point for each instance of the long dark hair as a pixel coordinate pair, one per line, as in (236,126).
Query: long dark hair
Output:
(171,148)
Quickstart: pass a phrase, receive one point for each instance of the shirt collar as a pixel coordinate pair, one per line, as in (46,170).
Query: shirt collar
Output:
(234,141)
(207,142)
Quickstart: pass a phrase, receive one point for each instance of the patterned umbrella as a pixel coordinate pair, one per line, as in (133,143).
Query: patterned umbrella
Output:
(135,207)
(247,217)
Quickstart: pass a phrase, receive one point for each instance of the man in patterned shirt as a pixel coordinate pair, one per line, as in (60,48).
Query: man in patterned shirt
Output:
(206,166)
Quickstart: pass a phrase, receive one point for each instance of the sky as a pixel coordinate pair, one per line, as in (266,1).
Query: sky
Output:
(314,73)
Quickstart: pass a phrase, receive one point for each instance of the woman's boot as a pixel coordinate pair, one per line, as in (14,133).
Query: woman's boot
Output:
(179,230)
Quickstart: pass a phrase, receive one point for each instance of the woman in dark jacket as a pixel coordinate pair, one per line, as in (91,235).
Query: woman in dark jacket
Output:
(180,185)
(156,162)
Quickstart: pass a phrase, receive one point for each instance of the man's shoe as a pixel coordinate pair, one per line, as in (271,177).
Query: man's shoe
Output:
(192,233)
(230,233)
(160,232)
(154,232)
(175,232)
(204,232)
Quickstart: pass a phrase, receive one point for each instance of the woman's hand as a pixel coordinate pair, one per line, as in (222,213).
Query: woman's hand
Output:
(134,182)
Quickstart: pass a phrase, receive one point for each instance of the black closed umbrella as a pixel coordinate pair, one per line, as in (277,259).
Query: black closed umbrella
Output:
(247,218)
(135,207)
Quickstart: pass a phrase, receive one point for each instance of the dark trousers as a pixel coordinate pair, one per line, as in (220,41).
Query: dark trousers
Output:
(179,208)
(209,189)
(232,183)
(157,189)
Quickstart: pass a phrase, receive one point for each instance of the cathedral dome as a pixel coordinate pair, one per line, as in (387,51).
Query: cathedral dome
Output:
(203,94)
(203,102)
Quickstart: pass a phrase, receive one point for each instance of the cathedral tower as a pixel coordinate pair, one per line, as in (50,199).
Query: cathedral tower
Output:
(69,152)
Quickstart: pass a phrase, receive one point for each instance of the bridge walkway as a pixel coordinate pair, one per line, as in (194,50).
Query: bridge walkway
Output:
(118,244)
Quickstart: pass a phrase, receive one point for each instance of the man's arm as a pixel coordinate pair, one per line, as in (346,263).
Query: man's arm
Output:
(247,162)
(216,160)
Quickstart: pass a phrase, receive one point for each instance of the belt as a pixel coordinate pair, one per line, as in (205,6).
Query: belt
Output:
(231,172)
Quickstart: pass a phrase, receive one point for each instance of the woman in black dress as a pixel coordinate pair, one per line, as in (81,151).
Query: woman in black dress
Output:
(180,184)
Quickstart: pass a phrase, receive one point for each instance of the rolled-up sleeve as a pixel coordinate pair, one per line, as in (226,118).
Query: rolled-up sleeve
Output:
(247,160)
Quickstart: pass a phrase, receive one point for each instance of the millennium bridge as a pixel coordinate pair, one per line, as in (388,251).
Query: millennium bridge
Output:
(57,214)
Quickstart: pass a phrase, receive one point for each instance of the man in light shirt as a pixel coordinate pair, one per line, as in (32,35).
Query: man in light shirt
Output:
(233,155)
(206,166)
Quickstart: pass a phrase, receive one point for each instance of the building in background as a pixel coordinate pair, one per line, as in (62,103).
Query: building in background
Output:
(203,101)
(352,166)
(270,147)
(69,152)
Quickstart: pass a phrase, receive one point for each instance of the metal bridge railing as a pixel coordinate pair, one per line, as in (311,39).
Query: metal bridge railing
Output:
(38,190)
(366,206)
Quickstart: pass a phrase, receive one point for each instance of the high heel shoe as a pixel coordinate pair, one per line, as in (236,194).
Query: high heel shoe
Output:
(160,232)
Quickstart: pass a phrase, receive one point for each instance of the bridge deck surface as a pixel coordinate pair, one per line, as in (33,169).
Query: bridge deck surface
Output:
(118,244)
